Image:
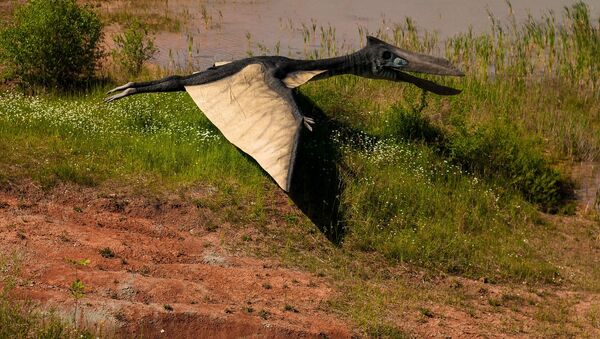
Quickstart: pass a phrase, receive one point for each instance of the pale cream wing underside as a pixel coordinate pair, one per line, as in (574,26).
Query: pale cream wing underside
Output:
(292,80)
(253,117)
(295,79)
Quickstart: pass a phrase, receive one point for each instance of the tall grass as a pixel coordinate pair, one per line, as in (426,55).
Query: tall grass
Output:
(542,74)
(535,49)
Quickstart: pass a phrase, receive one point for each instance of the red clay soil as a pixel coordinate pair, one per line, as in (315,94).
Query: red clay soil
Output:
(166,278)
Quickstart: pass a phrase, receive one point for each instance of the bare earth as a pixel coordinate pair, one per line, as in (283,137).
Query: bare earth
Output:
(158,263)
(171,276)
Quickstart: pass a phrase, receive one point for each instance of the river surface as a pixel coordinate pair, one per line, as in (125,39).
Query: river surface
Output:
(237,26)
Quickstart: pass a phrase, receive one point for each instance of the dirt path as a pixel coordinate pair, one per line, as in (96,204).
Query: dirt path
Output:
(167,277)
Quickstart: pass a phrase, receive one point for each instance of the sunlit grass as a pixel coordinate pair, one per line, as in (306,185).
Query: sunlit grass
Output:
(22,319)
(86,141)
(433,181)
(445,184)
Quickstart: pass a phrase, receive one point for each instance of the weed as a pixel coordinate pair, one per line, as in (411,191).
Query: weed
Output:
(426,312)
(264,314)
(211,226)
(455,284)
(168,307)
(593,316)
(267,286)
(130,12)
(133,47)
(206,17)
(290,308)
(199,203)
(77,288)
(106,252)
(24,320)
(386,331)
(512,299)
(495,302)
(291,219)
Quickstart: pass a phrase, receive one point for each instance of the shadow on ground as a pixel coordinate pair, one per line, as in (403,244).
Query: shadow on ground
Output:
(317,182)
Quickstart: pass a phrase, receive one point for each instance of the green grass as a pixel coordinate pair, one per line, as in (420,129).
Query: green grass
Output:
(432,181)
(443,184)
(82,140)
(23,319)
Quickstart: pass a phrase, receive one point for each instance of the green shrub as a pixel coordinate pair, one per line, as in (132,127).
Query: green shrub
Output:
(52,43)
(134,47)
(496,152)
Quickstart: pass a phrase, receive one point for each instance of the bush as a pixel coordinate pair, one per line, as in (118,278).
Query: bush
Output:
(134,47)
(52,43)
(497,153)
(494,152)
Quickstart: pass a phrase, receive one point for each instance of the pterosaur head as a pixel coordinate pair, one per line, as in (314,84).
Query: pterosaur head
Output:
(391,62)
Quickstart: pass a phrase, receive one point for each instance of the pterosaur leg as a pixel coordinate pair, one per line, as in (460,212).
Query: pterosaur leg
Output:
(120,88)
(145,83)
(173,83)
(169,84)
(123,94)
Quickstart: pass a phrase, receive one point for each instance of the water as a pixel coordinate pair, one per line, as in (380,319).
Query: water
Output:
(280,21)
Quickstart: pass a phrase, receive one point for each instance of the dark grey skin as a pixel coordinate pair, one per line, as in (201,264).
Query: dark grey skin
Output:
(377,60)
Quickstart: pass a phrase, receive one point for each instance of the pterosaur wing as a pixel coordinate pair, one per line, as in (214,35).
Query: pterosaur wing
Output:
(256,113)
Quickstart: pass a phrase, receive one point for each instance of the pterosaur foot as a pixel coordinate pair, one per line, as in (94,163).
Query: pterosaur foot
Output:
(120,88)
(123,94)
(308,122)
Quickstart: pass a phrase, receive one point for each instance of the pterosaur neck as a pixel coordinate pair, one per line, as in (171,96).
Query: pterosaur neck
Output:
(354,63)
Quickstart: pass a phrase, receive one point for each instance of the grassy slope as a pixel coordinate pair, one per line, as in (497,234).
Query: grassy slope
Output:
(413,181)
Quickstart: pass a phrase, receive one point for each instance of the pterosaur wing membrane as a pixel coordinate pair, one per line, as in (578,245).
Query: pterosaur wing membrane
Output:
(256,113)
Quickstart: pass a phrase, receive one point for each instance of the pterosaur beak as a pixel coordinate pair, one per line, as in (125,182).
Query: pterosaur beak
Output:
(422,63)
(426,84)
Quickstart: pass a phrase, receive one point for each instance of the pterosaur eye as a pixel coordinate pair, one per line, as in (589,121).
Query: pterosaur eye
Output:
(386,55)
(400,62)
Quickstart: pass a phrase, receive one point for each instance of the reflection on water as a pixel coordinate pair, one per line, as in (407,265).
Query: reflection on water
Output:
(236,25)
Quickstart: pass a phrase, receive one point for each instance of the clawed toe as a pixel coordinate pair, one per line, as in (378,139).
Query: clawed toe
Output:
(120,88)
(308,122)
(120,95)
(110,99)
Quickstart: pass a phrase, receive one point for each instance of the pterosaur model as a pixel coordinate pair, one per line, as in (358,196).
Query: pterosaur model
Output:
(251,102)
